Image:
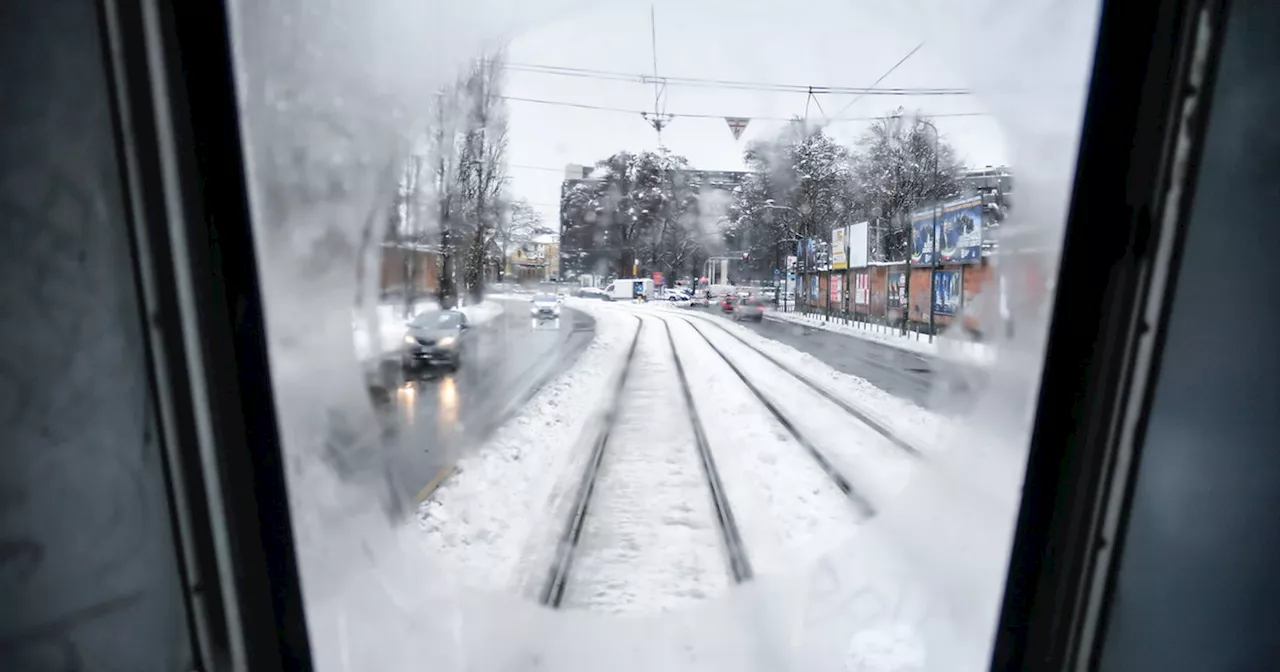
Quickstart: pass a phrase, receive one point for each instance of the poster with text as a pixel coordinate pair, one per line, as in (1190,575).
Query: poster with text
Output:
(813,288)
(947,292)
(839,249)
(835,292)
(861,289)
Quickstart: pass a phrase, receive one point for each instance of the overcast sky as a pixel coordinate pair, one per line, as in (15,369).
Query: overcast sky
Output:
(823,43)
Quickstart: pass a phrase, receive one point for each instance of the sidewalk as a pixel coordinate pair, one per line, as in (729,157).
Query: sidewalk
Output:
(941,346)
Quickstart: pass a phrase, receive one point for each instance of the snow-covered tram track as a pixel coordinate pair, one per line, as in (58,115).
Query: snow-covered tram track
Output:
(861,416)
(860,501)
(640,526)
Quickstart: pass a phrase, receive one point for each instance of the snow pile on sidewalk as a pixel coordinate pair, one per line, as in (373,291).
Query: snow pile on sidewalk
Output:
(390,320)
(481,521)
(943,346)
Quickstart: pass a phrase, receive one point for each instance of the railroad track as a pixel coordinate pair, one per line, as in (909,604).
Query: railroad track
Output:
(842,482)
(859,414)
(737,563)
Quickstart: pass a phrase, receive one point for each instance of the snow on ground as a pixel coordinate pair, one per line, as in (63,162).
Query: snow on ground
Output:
(788,510)
(390,321)
(481,521)
(650,542)
(877,469)
(919,426)
(944,346)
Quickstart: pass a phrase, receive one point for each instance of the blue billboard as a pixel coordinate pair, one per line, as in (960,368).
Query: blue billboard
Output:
(948,290)
(958,233)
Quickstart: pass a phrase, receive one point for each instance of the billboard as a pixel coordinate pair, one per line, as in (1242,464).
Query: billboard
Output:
(858,245)
(897,290)
(958,233)
(813,288)
(839,249)
(861,288)
(835,291)
(948,288)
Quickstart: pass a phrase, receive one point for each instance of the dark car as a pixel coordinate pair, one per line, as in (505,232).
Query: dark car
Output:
(435,338)
(749,309)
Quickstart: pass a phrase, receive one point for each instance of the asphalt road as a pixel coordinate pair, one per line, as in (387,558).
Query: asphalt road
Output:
(911,376)
(431,420)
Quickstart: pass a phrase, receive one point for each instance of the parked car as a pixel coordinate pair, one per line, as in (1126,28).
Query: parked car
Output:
(726,304)
(435,338)
(749,309)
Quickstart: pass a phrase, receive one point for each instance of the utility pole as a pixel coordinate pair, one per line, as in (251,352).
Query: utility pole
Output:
(933,233)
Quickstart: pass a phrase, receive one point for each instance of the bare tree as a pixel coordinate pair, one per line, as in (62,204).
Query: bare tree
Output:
(482,174)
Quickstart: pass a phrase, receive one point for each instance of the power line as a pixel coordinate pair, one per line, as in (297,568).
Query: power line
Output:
(697,115)
(882,77)
(609,75)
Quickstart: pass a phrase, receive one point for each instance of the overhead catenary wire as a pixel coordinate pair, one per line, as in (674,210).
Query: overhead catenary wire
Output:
(699,115)
(882,77)
(607,75)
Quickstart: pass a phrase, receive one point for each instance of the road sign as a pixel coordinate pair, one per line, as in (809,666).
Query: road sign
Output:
(777,272)
(737,125)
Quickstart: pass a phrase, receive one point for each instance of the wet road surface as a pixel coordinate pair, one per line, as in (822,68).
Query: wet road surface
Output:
(431,419)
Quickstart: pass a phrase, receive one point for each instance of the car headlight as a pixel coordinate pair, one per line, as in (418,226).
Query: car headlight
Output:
(410,340)
(447,341)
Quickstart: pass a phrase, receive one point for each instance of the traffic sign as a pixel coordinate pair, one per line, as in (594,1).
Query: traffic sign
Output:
(777,272)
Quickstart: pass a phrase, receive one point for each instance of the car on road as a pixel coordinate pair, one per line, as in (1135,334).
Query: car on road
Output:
(545,307)
(591,293)
(726,304)
(435,338)
(749,309)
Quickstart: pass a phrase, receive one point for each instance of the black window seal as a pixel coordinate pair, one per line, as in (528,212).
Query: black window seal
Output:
(1104,338)
(178,135)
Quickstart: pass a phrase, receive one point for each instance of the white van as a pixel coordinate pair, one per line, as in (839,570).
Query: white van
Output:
(628,289)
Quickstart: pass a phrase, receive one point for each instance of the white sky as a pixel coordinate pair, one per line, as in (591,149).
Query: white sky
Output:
(820,43)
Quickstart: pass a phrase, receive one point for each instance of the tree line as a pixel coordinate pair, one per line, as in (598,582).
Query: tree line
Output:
(799,183)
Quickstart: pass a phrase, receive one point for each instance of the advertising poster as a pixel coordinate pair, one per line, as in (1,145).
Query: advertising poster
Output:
(813,288)
(859,244)
(922,237)
(958,233)
(861,289)
(897,289)
(835,292)
(657,278)
(839,249)
(947,292)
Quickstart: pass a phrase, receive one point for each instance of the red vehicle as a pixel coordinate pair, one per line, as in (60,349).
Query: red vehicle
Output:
(726,304)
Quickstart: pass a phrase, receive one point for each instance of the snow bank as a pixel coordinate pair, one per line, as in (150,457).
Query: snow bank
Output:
(944,345)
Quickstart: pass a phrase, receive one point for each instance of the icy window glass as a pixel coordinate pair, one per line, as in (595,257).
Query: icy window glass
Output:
(633,483)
